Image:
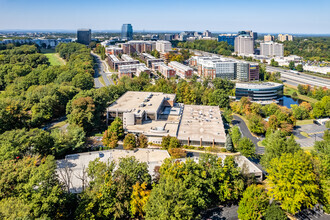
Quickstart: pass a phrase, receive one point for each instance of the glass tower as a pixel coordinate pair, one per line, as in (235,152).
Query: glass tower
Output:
(127,32)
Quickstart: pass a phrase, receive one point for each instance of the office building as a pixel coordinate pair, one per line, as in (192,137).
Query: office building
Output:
(168,37)
(163,46)
(269,38)
(156,115)
(285,37)
(229,38)
(259,92)
(271,49)
(183,71)
(127,32)
(242,71)
(253,72)
(207,33)
(244,45)
(84,36)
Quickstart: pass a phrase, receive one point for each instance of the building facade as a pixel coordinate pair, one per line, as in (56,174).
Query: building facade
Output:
(138,46)
(261,92)
(284,37)
(271,49)
(229,38)
(84,36)
(183,71)
(165,70)
(163,46)
(244,45)
(269,38)
(127,32)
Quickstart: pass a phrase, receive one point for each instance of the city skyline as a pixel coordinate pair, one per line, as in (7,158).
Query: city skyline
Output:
(300,17)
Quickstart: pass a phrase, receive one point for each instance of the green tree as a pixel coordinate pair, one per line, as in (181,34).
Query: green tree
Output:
(166,142)
(235,134)
(300,68)
(254,203)
(229,144)
(246,147)
(274,212)
(292,181)
(110,139)
(174,143)
(129,142)
(291,65)
(117,127)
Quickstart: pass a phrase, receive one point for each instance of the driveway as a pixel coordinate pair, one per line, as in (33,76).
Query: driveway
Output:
(246,133)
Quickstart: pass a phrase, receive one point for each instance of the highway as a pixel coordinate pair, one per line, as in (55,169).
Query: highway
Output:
(286,76)
(102,70)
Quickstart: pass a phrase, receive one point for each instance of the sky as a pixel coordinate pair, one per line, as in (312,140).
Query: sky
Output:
(264,16)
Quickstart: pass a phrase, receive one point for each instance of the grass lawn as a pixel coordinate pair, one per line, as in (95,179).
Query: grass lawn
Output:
(288,90)
(305,122)
(54,58)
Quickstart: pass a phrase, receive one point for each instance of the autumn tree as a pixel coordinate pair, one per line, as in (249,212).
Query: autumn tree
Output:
(129,142)
(254,203)
(139,199)
(292,181)
(142,141)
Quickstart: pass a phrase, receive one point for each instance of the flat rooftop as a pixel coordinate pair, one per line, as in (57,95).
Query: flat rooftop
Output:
(78,163)
(199,121)
(131,101)
(178,65)
(263,85)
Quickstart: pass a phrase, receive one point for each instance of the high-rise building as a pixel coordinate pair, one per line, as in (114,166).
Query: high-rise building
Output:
(84,36)
(244,44)
(269,38)
(207,33)
(285,37)
(271,49)
(229,38)
(127,32)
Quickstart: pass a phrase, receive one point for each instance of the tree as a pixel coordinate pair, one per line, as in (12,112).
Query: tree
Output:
(174,143)
(291,65)
(229,144)
(246,147)
(110,139)
(177,153)
(139,199)
(83,81)
(256,124)
(169,199)
(129,142)
(276,144)
(82,113)
(292,181)
(117,127)
(142,141)
(274,212)
(254,203)
(166,142)
(300,68)
(235,134)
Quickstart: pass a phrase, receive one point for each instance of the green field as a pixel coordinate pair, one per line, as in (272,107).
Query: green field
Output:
(305,122)
(54,58)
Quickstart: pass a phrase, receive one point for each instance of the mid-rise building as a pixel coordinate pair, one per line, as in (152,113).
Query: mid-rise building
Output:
(207,33)
(244,45)
(113,50)
(133,69)
(183,71)
(259,92)
(229,38)
(253,72)
(168,37)
(285,37)
(127,32)
(149,59)
(114,62)
(163,46)
(166,71)
(138,46)
(269,38)
(84,36)
(271,49)
(242,71)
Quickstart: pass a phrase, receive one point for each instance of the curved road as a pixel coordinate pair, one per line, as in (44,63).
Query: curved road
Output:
(101,71)
(246,133)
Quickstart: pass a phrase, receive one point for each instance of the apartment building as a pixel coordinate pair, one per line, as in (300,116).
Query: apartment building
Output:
(166,71)
(133,69)
(271,49)
(138,47)
(113,50)
(149,59)
(244,45)
(284,37)
(207,33)
(268,38)
(163,46)
(114,62)
(181,70)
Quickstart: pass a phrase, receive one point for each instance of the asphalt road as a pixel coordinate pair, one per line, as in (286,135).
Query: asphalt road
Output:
(101,71)
(246,133)
(286,76)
